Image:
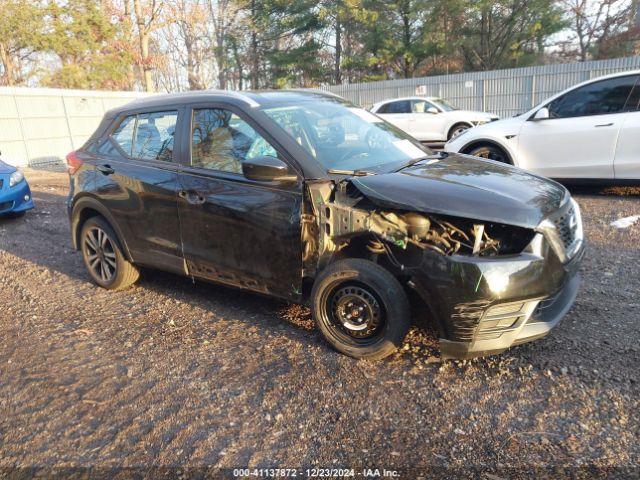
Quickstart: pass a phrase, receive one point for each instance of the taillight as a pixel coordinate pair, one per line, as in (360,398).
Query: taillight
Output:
(74,162)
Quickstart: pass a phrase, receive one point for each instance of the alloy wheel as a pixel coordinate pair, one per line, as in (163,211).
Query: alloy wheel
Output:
(100,254)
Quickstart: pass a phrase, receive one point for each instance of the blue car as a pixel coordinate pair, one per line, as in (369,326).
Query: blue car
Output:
(15,194)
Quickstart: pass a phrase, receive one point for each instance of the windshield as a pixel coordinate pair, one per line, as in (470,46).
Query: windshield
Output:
(444,105)
(343,137)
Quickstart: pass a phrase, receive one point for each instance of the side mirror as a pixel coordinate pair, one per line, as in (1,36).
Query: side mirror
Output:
(433,110)
(266,168)
(542,114)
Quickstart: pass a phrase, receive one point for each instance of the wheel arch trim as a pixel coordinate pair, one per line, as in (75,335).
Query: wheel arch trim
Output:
(89,203)
(485,141)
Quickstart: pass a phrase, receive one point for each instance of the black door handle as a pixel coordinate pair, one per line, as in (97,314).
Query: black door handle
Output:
(106,169)
(604,125)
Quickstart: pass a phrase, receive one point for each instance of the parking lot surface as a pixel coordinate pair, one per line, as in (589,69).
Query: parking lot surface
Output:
(182,374)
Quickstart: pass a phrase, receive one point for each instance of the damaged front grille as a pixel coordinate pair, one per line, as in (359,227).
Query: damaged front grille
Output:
(564,231)
(567,227)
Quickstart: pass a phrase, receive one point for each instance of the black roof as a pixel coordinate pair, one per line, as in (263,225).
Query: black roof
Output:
(245,98)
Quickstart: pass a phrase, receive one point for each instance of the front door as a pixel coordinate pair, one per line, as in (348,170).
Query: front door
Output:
(579,139)
(235,230)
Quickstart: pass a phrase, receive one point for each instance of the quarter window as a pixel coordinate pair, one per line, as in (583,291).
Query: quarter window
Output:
(221,140)
(599,98)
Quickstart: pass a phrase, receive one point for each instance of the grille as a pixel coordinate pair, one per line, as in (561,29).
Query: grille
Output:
(5,206)
(567,226)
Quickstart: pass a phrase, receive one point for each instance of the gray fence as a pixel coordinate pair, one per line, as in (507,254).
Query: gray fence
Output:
(504,92)
(40,126)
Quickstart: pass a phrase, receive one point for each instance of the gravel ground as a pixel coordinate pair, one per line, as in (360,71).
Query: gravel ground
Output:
(177,374)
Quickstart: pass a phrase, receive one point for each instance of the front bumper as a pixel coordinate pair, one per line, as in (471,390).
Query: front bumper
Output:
(15,199)
(484,305)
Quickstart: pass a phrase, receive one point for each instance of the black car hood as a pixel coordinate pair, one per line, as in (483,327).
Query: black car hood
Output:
(462,186)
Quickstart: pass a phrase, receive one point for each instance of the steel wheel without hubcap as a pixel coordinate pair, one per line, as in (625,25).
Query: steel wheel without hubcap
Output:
(100,254)
(355,311)
(360,308)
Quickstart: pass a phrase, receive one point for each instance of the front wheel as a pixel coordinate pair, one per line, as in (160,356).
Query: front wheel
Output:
(103,256)
(490,152)
(360,309)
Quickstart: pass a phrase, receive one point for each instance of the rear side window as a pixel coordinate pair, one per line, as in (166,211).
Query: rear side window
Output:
(123,135)
(403,106)
(154,136)
(599,98)
(148,136)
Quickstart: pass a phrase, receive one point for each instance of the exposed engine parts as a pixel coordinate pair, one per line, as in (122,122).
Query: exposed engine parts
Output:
(341,214)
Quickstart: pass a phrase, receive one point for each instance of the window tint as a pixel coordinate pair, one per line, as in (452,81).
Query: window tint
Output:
(221,140)
(403,106)
(154,136)
(123,135)
(599,98)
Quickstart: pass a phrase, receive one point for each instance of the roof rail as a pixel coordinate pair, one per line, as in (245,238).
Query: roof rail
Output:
(252,103)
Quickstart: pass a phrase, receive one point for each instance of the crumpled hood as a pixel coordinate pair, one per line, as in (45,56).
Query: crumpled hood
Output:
(4,168)
(465,187)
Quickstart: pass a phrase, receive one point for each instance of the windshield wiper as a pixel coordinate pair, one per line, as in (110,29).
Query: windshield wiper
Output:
(436,155)
(355,173)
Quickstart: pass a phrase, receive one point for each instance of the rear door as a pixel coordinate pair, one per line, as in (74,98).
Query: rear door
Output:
(627,162)
(137,174)
(579,140)
(235,230)
(398,113)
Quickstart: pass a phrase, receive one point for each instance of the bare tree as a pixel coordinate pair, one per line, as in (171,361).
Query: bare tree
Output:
(147,14)
(594,22)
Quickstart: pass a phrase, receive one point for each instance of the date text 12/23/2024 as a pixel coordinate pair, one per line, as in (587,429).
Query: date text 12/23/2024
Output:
(315,473)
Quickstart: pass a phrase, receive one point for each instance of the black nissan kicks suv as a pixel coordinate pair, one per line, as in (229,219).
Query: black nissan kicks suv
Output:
(303,196)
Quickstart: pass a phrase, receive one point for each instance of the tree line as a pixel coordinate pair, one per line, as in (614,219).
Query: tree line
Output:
(175,45)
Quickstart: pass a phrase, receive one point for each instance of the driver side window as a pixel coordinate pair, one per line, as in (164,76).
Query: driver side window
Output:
(598,98)
(221,140)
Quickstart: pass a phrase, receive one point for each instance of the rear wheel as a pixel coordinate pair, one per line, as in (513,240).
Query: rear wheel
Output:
(103,256)
(457,130)
(490,152)
(360,309)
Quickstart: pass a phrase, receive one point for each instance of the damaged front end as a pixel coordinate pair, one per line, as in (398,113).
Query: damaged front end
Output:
(483,282)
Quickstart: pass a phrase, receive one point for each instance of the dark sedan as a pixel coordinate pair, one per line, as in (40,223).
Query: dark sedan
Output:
(303,196)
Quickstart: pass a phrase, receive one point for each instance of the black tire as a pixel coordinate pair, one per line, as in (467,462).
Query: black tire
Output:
(490,152)
(384,315)
(457,129)
(103,257)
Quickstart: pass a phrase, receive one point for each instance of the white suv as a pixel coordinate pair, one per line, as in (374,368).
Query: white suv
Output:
(429,119)
(589,131)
